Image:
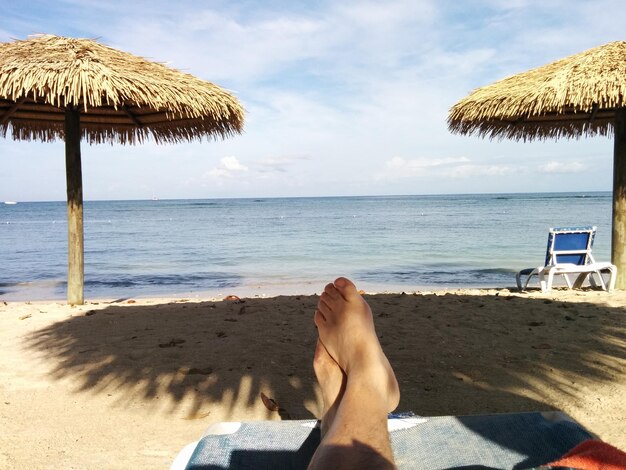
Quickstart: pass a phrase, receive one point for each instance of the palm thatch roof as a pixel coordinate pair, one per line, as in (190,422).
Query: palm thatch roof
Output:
(121,97)
(574,96)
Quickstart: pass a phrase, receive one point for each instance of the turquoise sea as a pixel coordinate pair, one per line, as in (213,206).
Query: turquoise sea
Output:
(216,247)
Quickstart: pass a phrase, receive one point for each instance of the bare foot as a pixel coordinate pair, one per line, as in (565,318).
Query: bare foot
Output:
(346,328)
(332,382)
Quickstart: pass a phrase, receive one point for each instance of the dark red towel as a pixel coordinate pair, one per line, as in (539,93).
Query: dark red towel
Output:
(593,455)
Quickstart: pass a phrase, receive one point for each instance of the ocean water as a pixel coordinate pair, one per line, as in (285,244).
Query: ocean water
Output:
(275,246)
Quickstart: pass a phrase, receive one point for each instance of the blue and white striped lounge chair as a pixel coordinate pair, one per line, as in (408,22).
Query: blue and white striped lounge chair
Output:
(569,252)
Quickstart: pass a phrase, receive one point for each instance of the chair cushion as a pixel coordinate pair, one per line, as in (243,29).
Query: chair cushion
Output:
(517,440)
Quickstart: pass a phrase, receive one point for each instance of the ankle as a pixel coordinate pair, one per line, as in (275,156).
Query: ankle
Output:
(372,380)
(367,358)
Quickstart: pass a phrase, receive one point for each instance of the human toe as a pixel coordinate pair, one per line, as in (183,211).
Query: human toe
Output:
(332,291)
(318,318)
(345,287)
(325,303)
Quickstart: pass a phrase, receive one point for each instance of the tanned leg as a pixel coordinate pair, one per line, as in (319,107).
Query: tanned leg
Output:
(332,382)
(358,435)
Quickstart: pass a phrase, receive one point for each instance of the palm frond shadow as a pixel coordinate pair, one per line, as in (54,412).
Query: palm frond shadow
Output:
(454,354)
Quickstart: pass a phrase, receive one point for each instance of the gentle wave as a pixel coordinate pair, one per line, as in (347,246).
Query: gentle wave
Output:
(441,277)
(208,280)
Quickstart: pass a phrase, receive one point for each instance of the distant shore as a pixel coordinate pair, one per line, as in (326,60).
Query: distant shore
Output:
(128,382)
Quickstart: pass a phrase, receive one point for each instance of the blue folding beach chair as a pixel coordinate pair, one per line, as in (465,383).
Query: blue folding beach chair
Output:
(569,252)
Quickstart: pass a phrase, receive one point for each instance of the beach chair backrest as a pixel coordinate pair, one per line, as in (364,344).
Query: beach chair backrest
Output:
(570,245)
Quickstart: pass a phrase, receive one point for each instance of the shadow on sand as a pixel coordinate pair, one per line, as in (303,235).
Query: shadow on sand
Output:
(454,354)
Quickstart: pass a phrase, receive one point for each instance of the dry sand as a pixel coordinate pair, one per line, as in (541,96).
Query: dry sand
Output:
(126,384)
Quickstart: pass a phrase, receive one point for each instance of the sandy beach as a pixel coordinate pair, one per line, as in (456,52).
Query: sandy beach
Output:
(128,383)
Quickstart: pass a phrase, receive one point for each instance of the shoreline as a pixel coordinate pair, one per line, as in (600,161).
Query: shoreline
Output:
(558,293)
(268,291)
(120,383)
(194,297)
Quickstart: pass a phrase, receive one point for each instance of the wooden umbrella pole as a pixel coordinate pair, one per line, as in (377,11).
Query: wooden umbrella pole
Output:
(74,178)
(618,241)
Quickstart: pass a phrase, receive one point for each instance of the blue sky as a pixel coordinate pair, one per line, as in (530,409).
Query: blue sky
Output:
(342,98)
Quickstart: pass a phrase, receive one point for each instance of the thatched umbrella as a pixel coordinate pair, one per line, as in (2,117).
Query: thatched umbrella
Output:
(584,94)
(62,88)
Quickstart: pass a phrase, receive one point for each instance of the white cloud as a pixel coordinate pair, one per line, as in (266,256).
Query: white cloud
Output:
(562,167)
(398,168)
(399,163)
(232,164)
(442,168)
(348,84)
(227,168)
(280,164)
(470,171)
